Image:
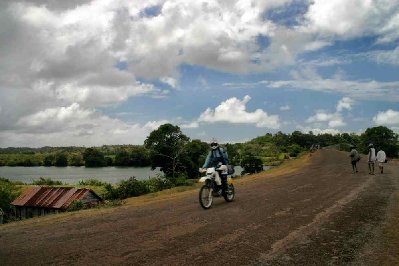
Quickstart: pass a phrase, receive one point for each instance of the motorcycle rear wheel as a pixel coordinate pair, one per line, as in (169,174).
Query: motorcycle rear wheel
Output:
(229,195)
(205,197)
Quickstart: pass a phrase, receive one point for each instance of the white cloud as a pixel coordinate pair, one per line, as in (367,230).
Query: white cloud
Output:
(344,103)
(285,108)
(234,111)
(363,89)
(389,117)
(318,131)
(194,124)
(170,81)
(75,126)
(55,116)
(333,120)
(386,57)
(55,55)
(320,116)
(349,19)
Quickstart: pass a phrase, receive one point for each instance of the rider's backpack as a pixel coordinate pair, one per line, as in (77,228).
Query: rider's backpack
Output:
(230,169)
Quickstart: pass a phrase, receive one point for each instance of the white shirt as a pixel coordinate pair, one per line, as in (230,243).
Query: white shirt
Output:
(371,155)
(381,156)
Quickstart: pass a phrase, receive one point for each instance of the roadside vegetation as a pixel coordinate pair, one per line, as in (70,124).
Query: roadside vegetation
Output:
(178,157)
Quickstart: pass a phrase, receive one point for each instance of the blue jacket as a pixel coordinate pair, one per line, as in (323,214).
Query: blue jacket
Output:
(216,156)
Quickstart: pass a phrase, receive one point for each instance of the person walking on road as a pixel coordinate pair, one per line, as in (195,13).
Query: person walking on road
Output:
(371,158)
(381,157)
(355,157)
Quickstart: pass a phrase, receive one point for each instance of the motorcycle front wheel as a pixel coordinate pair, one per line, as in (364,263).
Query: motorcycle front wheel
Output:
(229,195)
(205,197)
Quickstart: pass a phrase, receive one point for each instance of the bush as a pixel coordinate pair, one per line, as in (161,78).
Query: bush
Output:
(294,150)
(251,164)
(133,187)
(157,184)
(183,181)
(47,182)
(8,192)
(76,206)
(92,182)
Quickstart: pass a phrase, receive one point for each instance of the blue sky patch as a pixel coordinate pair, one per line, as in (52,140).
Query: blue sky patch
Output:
(288,15)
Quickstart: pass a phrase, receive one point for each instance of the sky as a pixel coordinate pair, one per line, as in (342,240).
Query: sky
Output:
(106,72)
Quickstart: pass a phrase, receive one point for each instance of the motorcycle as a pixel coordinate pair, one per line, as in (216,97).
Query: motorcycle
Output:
(213,187)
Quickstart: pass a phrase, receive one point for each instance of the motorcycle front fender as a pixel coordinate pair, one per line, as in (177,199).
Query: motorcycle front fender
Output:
(204,178)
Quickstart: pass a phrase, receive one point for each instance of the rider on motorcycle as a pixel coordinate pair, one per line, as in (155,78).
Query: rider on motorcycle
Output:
(216,158)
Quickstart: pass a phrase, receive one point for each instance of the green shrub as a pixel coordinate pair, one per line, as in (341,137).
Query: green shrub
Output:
(46,181)
(8,192)
(157,184)
(183,181)
(294,150)
(133,187)
(92,182)
(76,206)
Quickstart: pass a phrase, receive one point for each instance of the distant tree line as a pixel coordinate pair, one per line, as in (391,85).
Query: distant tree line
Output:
(121,155)
(179,156)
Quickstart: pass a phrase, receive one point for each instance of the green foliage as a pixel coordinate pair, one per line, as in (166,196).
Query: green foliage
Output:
(194,157)
(233,153)
(76,159)
(167,148)
(92,182)
(294,150)
(122,158)
(140,156)
(157,184)
(61,159)
(251,164)
(46,182)
(76,206)
(127,188)
(133,187)
(8,192)
(93,158)
(49,160)
(382,137)
(21,159)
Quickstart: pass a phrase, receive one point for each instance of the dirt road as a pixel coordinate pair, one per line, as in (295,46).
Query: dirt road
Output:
(321,214)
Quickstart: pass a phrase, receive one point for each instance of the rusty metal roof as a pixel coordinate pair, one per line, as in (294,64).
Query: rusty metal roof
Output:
(51,197)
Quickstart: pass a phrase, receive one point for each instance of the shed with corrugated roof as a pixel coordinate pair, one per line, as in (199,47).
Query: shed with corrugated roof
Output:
(41,200)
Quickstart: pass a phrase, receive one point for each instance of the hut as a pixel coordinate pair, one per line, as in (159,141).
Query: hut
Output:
(41,200)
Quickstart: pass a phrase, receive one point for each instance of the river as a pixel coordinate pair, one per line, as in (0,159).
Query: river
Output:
(72,175)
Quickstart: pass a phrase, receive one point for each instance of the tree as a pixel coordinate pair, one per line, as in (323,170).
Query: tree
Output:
(167,147)
(233,153)
(382,137)
(8,193)
(251,164)
(49,160)
(76,159)
(196,152)
(140,157)
(93,158)
(122,158)
(61,159)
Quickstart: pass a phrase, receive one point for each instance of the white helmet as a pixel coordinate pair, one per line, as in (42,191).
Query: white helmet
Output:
(214,144)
